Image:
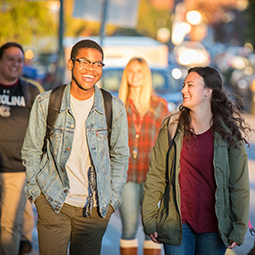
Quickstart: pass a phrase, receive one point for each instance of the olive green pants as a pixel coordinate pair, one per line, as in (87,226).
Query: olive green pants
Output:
(56,231)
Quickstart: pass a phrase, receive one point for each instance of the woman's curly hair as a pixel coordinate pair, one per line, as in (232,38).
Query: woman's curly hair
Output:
(224,111)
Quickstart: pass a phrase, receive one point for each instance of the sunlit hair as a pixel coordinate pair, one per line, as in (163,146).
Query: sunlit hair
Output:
(83,44)
(223,109)
(146,91)
(9,45)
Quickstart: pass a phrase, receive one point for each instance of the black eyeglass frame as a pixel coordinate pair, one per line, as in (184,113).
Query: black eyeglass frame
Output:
(90,62)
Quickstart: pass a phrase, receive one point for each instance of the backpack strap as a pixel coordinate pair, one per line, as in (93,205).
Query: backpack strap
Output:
(55,102)
(29,90)
(172,127)
(26,92)
(108,111)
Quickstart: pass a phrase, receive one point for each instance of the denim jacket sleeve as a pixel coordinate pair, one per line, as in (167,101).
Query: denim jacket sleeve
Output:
(119,152)
(32,147)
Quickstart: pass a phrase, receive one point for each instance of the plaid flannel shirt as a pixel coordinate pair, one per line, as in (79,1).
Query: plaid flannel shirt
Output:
(147,137)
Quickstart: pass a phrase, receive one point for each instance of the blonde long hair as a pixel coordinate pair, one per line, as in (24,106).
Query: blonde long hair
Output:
(146,91)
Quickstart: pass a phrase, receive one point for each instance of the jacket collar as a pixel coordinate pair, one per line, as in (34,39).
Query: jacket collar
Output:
(98,104)
(98,101)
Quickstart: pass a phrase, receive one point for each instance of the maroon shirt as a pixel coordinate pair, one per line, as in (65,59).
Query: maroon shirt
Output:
(150,125)
(197,183)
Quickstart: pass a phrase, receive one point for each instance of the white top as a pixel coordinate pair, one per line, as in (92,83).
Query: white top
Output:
(79,161)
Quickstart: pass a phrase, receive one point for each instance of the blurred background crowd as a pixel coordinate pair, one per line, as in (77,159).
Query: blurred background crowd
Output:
(172,35)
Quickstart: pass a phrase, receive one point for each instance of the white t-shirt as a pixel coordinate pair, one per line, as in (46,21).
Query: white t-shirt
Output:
(79,161)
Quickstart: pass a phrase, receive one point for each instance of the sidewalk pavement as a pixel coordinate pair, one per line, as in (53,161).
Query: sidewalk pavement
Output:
(110,244)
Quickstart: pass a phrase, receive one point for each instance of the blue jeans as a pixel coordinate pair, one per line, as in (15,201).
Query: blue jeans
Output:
(130,210)
(196,244)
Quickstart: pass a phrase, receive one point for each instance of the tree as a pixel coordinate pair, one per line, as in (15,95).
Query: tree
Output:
(150,20)
(249,16)
(23,20)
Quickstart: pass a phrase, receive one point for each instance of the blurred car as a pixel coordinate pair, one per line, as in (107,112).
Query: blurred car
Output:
(242,85)
(31,75)
(191,53)
(167,83)
(233,57)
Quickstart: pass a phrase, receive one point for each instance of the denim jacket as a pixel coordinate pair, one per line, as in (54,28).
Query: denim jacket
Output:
(231,195)
(47,174)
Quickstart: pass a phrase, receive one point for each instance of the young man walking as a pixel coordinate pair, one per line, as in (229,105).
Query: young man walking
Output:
(76,183)
(16,98)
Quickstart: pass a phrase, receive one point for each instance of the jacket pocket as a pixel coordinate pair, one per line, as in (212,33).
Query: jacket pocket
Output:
(47,176)
(102,136)
(226,201)
(224,213)
(168,222)
(55,139)
(164,214)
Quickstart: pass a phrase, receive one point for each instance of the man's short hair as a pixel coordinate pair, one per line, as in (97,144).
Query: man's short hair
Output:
(86,44)
(9,45)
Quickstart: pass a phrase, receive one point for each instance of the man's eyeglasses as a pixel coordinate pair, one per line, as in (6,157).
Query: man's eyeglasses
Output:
(85,63)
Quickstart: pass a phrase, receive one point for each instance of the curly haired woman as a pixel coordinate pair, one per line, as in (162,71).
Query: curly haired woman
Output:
(200,177)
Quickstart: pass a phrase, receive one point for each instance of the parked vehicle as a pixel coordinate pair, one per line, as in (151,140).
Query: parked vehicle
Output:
(191,53)
(120,48)
(242,85)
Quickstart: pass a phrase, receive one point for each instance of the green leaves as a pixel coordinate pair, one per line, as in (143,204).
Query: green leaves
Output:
(21,20)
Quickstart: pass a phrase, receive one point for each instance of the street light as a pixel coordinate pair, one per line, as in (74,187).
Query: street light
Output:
(180,30)
(194,17)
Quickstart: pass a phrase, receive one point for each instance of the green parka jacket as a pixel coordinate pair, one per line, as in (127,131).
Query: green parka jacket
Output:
(161,203)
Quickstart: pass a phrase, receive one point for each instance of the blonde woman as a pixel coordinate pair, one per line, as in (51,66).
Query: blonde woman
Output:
(145,112)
